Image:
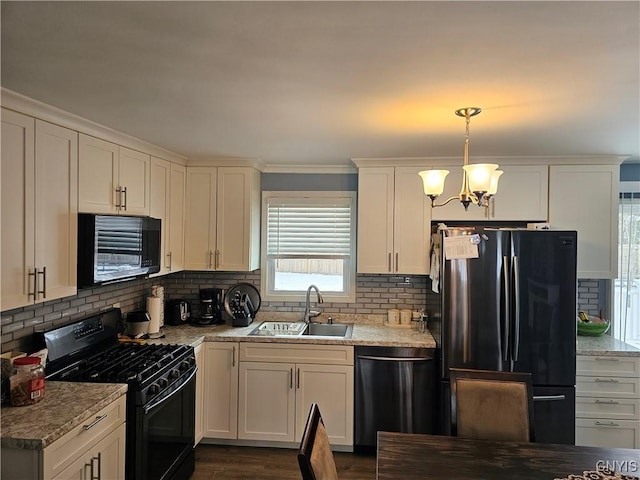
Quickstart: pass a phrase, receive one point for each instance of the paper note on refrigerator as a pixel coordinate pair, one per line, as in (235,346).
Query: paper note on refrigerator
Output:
(460,247)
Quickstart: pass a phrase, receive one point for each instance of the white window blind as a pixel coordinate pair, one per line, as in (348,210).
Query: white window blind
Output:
(306,228)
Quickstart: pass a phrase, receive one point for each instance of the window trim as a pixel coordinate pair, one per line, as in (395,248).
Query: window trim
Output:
(267,274)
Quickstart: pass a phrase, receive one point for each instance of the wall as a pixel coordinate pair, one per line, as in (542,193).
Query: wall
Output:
(375,294)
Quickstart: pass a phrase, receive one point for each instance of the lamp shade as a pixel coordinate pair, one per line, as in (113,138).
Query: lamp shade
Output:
(433,181)
(480,176)
(495,176)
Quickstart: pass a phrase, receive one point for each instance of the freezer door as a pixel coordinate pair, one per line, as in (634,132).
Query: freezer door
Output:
(554,412)
(544,306)
(473,325)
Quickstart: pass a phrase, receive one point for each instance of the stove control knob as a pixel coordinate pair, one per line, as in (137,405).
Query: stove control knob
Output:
(162,382)
(153,389)
(184,365)
(173,374)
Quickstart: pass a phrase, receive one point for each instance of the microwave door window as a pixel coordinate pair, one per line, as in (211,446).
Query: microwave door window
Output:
(118,248)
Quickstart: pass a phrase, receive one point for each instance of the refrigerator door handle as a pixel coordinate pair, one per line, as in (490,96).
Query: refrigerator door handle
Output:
(505,307)
(548,398)
(516,296)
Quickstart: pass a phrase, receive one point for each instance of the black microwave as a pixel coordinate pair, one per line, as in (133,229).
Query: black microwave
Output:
(113,248)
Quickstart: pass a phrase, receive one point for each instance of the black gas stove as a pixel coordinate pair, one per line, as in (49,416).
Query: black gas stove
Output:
(160,397)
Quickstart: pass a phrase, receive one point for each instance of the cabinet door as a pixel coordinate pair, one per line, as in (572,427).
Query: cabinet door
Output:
(331,387)
(266,408)
(523,194)
(134,180)
(455,210)
(56,206)
(220,404)
(607,433)
(200,218)
(97,175)
(18,211)
(159,206)
(236,210)
(106,457)
(375,219)
(176,217)
(585,198)
(412,223)
(200,376)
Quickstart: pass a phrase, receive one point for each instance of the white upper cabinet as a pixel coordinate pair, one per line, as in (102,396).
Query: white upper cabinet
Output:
(393,221)
(113,179)
(222,219)
(39,210)
(522,196)
(585,198)
(167,199)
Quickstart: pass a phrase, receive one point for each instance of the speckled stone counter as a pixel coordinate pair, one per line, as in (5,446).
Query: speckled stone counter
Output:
(605,345)
(64,406)
(365,332)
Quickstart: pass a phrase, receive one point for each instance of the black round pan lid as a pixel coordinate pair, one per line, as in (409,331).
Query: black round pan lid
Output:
(250,290)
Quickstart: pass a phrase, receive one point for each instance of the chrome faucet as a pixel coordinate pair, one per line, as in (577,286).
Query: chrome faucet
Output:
(308,313)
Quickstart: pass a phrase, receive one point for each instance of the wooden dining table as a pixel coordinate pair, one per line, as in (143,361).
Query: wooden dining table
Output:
(405,456)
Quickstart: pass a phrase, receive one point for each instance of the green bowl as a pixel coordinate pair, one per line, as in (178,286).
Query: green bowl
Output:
(592,329)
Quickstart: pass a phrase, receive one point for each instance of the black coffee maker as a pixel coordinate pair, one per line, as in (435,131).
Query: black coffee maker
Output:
(211,304)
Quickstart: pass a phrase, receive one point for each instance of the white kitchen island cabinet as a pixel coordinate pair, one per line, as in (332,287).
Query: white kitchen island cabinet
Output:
(585,198)
(168,185)
(220,402)
(393,221)
(222,219)
(279,382)
(39,210)
(608,401)
(112,179)
(522,196)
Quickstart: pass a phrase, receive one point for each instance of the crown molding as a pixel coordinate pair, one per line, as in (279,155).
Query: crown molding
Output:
(310,169)
(43,111)
(226,162)
(429,162)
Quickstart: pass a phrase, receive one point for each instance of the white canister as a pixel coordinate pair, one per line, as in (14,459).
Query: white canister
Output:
(393,316)
(405,317)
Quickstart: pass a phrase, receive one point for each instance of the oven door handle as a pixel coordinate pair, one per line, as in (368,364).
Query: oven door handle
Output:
(178,388)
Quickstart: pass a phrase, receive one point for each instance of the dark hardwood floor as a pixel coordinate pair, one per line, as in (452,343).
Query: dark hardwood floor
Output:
(223,462)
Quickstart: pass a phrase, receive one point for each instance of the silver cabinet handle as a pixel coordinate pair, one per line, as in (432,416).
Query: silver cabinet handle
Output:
(93,475)
(124,202)
(233,357)
(298,379)
(607,424)
(291,379)
(606,380)
(94,423)
(607,359)
(217,263)
(43,272)
(389,262)
(118,198)
(548,398)
(396,261)
(607,402)
(168,267)
(210,259)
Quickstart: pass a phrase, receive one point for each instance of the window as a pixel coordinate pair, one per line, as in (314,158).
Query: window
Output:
(308,238)
(626,289)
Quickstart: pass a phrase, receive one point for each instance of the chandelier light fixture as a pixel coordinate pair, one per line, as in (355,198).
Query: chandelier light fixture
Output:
(479,181)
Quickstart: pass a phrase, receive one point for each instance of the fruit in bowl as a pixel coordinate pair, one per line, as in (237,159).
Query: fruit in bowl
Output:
(592,326)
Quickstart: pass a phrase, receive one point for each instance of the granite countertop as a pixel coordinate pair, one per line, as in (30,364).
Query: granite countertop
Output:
(366,331)
(64,406)
(605,345)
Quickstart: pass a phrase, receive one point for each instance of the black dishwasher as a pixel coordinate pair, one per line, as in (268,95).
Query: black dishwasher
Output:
(394,392)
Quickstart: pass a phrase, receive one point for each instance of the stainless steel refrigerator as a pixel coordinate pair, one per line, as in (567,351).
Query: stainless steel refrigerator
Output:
(513,308)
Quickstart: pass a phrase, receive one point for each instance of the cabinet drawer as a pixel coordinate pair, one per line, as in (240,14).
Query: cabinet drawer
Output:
(288,353)
(604,386)
(608,408)
(607,433)
(599,365)
(61,453)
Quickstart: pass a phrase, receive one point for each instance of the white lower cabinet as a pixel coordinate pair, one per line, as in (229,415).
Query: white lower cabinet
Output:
(608,401)
(93,450)
(220,403)
(279,382)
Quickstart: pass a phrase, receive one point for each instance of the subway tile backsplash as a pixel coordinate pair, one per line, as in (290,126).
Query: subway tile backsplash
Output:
(375,295)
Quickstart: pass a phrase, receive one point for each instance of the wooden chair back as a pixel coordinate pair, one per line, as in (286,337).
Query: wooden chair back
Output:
(314,455)
(492,405)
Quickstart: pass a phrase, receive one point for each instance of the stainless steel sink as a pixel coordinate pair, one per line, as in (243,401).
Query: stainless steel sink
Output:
(297,329)
(342,330)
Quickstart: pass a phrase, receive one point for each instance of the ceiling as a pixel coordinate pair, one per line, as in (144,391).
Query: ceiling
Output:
(319,83)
